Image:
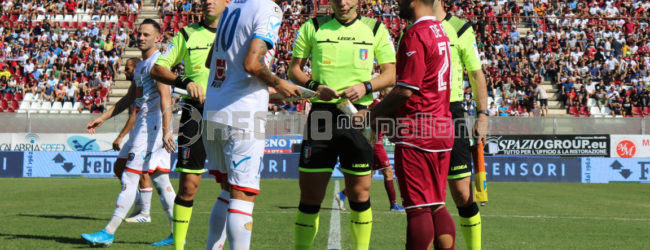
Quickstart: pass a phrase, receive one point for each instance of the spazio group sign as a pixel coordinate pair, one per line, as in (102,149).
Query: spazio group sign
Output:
(549,145)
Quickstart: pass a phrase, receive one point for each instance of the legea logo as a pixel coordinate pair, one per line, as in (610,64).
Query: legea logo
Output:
(626,149)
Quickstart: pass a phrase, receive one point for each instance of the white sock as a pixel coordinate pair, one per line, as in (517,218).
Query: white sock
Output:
(137,204)
(166,192)
(145,200)
(218,216)
(124,200)
(240,224)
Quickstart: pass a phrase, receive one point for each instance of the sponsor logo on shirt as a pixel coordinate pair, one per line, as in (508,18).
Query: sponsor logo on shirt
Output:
(410,53)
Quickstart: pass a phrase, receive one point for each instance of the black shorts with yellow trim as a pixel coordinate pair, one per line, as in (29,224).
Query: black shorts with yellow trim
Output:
(333,138)
(191,152)
(460,165)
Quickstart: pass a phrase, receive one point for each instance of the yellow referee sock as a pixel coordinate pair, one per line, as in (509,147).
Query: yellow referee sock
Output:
(306,228)
(360,224)
(181,221)
(470,226)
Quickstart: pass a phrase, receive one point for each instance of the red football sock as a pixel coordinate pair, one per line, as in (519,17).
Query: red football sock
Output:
(443,225)
(390,190)
(419,229)
(345,192)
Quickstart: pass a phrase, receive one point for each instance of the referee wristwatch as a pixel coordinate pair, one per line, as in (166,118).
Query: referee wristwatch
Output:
(368,86)
(485,112)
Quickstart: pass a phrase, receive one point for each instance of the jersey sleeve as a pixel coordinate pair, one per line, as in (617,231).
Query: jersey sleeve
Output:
(410,72)
(303,41)
(384,48)
(469,51)
(174,52)
(267,23)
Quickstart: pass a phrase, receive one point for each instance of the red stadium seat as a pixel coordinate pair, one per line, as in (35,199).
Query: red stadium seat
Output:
(124,18)
(18,97)
(97,112)
(521,109)
(8,97)
(4,104)
(646,110)
(629,92)
(636,111)
(65,25)
(573,110)
(584,111)
(83,25)
(132,18)
(167,19)
(1,110)
(74,25)
(14,105)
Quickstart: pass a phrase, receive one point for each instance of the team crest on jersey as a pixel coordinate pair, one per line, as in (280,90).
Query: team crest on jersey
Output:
(363,54)
(220,74)
(186,153)
(131,156)
(306,154)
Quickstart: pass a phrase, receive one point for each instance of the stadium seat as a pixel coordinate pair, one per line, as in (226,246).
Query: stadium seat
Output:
(595,112)
(584,111)
(74,25)
(646,110)
(68,18)
(113,19)
(521,109)
(14,105)
(45,107)
(28,97)
(56,108)
(24,106)
(85,112)
(636,111)
(591,102)
(573,110)
(34,107)
(11,110)
(76,106)
(58,18)
(2,110)
(606,112)
(8,97)
(4,104)
(97,112)
(18,97)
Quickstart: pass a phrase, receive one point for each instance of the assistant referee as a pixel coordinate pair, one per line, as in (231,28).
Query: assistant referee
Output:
(191,45)
(464,56)
(343,48)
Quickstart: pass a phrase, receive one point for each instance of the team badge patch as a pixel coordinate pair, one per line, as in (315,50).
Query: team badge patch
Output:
(131,156)
(186,153)
(306,153)
(363,54)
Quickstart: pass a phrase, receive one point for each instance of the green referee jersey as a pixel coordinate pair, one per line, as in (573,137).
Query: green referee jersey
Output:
(343,55)
(464,53)
(192,46)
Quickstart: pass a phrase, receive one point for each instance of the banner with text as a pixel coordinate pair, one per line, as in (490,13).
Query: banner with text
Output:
(58,142)
(627,146)
(532,169)
(548,145)
(281,143)
(605,170)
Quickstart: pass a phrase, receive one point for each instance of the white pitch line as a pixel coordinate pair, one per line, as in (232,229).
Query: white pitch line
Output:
(334,238)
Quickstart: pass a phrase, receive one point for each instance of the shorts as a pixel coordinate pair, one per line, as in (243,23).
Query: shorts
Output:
(234,157)
(422,176)
(140,158)
(191,152)
(460,164)
(380,158)
(318,153)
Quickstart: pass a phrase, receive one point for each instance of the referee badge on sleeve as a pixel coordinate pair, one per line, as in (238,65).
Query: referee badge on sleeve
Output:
(363,54)
(306,154)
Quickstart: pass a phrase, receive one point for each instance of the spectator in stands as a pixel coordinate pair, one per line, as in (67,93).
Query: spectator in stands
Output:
(504,110)
(70,7)
(60,94)
(510,96)
(493,111)
(71,92)
(627,106)
(5,72)
(98,103)
(47,94)
(615,105)
(87,101)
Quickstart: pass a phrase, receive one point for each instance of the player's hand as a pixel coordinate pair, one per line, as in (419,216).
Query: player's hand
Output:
(94,124)
(355,92)
(481,128)
(168,141)
(116,143)
(287,89)
(195,91)
(326,93)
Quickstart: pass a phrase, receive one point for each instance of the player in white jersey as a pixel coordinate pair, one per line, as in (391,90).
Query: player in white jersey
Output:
(145,140)
(235,112)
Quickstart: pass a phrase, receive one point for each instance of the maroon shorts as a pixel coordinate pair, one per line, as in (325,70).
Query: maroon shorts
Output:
(422,176)
(380,159)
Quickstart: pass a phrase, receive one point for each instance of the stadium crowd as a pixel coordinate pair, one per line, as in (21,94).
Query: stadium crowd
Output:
(597,53)
(59,64)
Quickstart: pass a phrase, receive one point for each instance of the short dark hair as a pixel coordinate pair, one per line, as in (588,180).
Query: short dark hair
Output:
(152,22)
(135,60)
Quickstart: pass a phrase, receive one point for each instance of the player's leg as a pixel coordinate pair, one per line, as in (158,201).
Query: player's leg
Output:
(217,166)
(160,178)
(119,167)
(356,163)
(460,184)
(443,224)
(389,185)
(142,204)
(244,151)
(317,160)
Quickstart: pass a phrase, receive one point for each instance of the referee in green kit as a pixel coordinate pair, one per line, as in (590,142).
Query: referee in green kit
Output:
(343,48)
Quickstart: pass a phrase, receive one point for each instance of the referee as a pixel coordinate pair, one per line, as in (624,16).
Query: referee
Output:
(191,45)
(464,56)
(343,48)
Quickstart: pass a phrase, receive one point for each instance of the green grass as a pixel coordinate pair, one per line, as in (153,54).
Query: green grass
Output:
(52,213)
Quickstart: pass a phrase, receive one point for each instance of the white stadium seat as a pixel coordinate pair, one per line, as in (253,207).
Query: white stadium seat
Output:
(45,107)
(34,107)
(29,97)
(595,112)
(76,106)
(56,108)
(24,107)
(85,112)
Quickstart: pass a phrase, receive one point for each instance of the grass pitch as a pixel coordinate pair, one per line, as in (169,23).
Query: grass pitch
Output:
(53,213)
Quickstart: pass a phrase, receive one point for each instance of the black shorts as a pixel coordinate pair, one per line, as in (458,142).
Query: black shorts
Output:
(543,102)
(319,152)
(191,153)
(460,165)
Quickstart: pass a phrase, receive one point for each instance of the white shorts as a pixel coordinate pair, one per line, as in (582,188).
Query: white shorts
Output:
(233,154)
(144,152)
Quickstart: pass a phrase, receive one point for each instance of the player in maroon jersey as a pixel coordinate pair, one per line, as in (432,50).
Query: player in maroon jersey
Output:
(424,132)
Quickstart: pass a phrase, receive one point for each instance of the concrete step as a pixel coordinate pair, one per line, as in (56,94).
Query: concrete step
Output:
(119,92)
(557,112)
(122,84)
(131,53)
(554,105)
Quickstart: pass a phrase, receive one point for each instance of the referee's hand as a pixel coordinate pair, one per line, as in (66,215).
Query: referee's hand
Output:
(195,91)
(326,93)
(355,92)
(287,89)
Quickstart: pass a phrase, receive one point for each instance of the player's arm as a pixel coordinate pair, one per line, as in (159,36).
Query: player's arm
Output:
(174,54)
(384,51)
(472,62)
(125,130)
(301,53)
(120,106)
(165,105)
